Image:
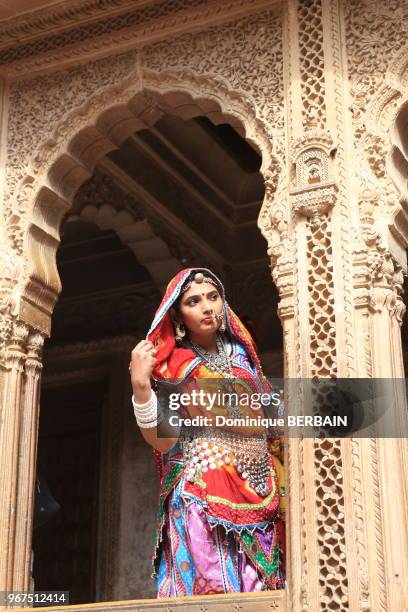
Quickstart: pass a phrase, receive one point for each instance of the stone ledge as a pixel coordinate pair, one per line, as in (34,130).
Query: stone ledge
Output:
(242,602)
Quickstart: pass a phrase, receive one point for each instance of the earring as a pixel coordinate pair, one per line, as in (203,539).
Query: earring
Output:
(222,326)
(180,332)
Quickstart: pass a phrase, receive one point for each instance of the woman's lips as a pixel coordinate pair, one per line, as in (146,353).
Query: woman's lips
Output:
(207,320)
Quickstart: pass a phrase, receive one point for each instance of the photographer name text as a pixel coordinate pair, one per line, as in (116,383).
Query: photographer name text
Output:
(290,421)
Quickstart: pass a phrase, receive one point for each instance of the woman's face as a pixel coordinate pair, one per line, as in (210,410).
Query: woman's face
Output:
(196,306)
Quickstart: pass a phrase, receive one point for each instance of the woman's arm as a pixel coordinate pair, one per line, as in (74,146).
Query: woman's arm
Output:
(161,437)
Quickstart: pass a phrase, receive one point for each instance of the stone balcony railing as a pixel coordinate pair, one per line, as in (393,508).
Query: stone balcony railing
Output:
(241,602)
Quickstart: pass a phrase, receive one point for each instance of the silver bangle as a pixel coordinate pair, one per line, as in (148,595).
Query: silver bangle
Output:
(146,405)
(151,424)
(149,414)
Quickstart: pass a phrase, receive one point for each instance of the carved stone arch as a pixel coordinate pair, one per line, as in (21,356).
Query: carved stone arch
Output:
(383,108)
(83,137)
(386,119)
(397,168)
(42,192)
(397,162)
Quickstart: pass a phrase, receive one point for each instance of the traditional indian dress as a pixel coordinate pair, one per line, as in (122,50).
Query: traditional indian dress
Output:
(219,529)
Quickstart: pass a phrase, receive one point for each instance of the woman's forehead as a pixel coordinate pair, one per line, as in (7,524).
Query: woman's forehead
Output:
(199,289)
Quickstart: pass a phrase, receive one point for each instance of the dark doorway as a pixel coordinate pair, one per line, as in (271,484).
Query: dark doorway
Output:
(65,547)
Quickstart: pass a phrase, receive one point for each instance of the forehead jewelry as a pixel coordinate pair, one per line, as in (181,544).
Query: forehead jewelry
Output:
(199,278)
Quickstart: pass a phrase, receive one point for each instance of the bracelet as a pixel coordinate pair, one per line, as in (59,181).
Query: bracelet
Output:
(146,405)
(151,424)
(149,414)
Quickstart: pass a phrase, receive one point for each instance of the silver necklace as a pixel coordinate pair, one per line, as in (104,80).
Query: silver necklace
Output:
(220,363)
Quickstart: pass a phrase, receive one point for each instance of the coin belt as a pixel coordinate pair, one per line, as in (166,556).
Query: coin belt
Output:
(208,450)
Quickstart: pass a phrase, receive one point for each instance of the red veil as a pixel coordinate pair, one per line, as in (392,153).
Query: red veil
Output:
(170,358)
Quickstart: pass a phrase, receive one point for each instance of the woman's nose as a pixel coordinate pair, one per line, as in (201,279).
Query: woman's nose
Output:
(207,307)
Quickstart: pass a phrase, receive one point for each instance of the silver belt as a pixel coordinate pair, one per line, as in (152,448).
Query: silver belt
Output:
(211,449)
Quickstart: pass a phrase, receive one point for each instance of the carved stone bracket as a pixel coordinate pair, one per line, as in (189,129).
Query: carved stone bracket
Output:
(314,201)
(313,192)
(378,278)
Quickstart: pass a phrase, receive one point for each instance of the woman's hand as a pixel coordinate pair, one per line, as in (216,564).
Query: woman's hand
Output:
(163,437)
(142,363)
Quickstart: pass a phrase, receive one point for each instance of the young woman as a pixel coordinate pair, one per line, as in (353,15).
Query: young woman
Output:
(220,521)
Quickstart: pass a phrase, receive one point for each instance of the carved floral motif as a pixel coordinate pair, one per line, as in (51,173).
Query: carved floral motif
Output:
(376,35)
(38,105)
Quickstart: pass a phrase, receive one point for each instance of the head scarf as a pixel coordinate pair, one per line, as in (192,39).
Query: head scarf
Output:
(170,358)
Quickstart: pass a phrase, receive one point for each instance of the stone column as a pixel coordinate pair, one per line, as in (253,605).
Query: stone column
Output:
(11,409)
(318,571)
(347,519)
(383,468)
(27,458)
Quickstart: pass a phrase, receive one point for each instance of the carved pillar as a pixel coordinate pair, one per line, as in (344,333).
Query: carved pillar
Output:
(347,514)
(20,367)
(11,408)
(322,565)
(27,459)
(379,310)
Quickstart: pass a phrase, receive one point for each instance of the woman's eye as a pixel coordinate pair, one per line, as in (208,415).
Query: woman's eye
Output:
(214,297)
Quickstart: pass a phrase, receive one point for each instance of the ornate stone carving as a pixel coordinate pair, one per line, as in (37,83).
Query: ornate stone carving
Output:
(121,31)
(37,106)
(378,277)
(331,528)
(100,189)
(310,28)
(313,191)
(24,27)
(314,194)
(273,217)
(321,301)
(10,268)
(259,78)
(314,202)
(35,343)
(377,85)
(361,532)
(256,88)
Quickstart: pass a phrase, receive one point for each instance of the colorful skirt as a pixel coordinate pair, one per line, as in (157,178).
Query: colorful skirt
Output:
(197,559)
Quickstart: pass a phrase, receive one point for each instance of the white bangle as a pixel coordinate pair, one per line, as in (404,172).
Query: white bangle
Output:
(149,414)
(146,404)
(151,424)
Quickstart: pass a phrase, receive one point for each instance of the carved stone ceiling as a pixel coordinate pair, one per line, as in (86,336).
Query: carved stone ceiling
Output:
(37,35)
(30,9)
(206,178)
(13,8)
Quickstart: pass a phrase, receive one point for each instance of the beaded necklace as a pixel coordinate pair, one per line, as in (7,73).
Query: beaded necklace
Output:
(220,363)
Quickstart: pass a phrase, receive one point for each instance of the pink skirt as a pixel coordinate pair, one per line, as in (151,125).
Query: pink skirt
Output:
(199,559)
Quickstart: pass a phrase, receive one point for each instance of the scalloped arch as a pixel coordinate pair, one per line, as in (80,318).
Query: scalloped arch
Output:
(86,135)
(387,117)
